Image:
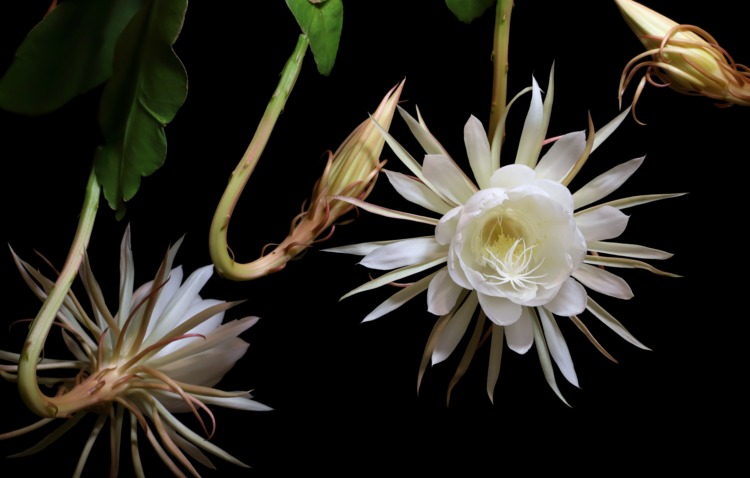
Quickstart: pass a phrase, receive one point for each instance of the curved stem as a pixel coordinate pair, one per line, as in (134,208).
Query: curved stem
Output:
(32,348)
(217,240)
(500,60)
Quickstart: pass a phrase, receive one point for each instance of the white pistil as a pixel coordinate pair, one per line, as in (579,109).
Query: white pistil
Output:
(511,263)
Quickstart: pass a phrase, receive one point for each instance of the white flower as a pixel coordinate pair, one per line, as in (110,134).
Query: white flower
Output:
(518,246)
(161,353)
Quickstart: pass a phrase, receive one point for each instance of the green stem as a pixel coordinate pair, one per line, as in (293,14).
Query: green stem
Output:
(217,240)
(32,349)
(500,60)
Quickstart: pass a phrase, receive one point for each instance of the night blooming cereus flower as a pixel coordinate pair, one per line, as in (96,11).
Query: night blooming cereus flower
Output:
(517,247)
(161,353)
(684,57)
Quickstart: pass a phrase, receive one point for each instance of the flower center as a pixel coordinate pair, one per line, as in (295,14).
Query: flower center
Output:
(510,259)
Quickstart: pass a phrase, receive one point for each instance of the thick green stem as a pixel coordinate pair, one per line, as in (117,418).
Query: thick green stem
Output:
(500,61)
(217,240)
(32,349)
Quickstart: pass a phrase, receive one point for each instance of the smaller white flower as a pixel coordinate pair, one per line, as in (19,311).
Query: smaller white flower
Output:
(515,242)
(161,353)
(516,247)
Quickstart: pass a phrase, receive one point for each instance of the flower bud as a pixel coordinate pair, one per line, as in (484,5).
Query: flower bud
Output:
(683,57)
(351,171)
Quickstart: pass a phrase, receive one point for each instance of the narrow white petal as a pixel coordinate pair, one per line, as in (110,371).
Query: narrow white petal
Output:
(236,403)
(404,253)
(544,360)
(627,250)
(213,339)
(454,330)
(478,151)
(609,128)
(394,276)
(497,140)
(520,334)
(625,263)
(361,249)
(601,223)
(496,357)
(382,211)
(207,367)
(607,319)
(570,299)
(204,328)
(499,310)
(417,192)
(127,273)
(429,143)
(442,293)
(402,154)
(606,183)
(175,312)
(532,135)
(562,155)
(446,227)
(603,281)
(632,201)
(448,178)
(558,348)
(399,298)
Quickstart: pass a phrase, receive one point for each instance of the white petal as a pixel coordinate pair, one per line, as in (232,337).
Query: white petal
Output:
(532,135)
(127,274)
(478,151)
(544,361)
(603,281)
(237,403)
(558,348)
(213,340)
(394,276)
(204,328)
(417,192)
(499,310)
(446,228)
(570,299)
(520,334)
(628,250)
(208,367)
(385,212)
(559,160)
(448,178)
(399,298)
(607,319)
(606,183)
(361,249)
(454,330)
(496,356)
(175,312)
(442,293)
(601,223)
(512,175)
(603,133)
(632,201)
(404,253)
(428,142)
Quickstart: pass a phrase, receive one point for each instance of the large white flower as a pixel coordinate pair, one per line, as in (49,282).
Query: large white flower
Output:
(161,353)
(518,246)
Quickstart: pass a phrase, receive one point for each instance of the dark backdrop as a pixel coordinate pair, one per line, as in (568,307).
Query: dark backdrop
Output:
(344,393)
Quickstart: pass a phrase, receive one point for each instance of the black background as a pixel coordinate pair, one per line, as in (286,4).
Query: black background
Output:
(344,393)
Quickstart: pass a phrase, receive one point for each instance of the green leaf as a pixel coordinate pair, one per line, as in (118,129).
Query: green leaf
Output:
(148,86)
(67,53)
(321,21)
(469,10)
